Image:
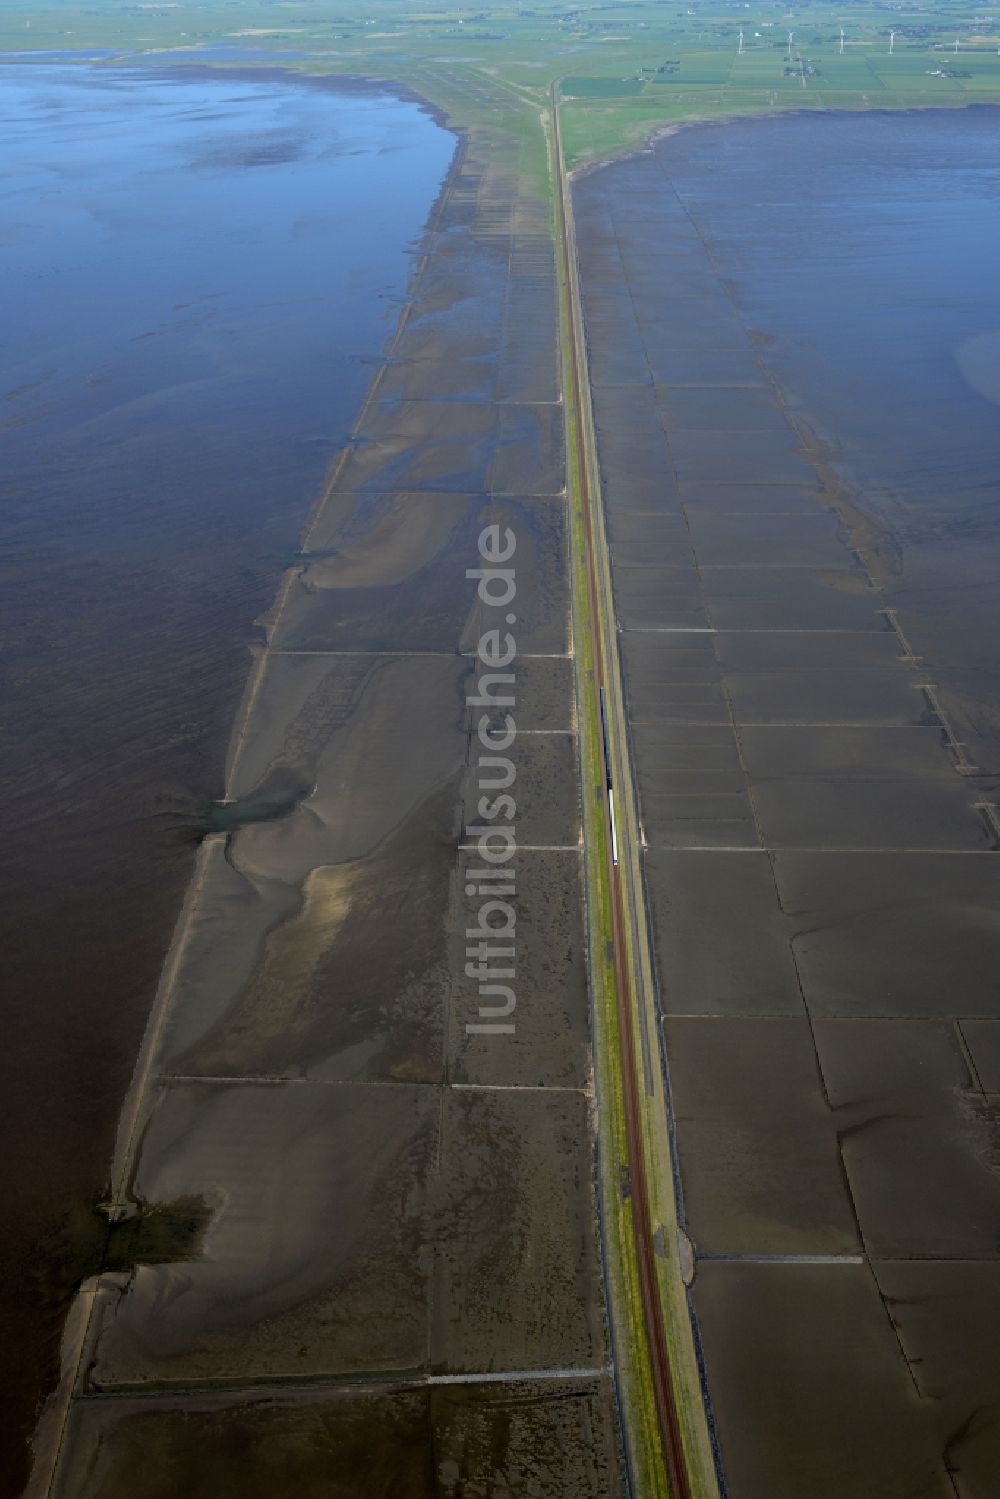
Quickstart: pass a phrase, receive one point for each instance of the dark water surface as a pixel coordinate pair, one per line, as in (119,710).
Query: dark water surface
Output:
(795,355)
(194,275)
(364,1192)
(863,250)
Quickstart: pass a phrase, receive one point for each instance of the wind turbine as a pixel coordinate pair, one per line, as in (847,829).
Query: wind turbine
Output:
(739,52)
(892,41)
(790,35)
(841,41)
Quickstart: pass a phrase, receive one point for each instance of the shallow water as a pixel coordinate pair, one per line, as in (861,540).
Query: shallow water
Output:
(351,1212)
(794,355)
(863,250)
(196,275)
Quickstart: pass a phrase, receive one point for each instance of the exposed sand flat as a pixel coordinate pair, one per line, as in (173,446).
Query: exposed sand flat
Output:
(823,884)
(180,377)
(557,1435)
(387,1198)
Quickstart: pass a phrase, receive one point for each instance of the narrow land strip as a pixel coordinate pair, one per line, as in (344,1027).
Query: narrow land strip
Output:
(655,1346)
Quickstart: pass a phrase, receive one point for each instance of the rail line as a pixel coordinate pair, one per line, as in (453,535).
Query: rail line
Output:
(622,860)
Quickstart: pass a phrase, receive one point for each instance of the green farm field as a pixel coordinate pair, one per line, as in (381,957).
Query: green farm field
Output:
(624,68)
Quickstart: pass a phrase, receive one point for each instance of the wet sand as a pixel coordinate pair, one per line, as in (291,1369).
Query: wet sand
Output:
(188,308)
(806,565)
(390,1278)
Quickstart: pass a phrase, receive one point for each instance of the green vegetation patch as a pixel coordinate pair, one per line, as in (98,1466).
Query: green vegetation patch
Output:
(601,88)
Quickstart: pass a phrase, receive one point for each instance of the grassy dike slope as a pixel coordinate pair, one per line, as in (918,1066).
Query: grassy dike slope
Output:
(670,1449)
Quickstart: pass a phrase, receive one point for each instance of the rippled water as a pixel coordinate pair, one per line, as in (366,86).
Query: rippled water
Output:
(196,273)
(794,327)
(863,253)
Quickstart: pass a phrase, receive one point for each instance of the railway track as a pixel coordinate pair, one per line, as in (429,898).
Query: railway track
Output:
(622,853)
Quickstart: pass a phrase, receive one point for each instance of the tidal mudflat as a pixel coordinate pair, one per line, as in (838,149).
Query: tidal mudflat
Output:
(390,1280)
(197,275)
(795,353)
